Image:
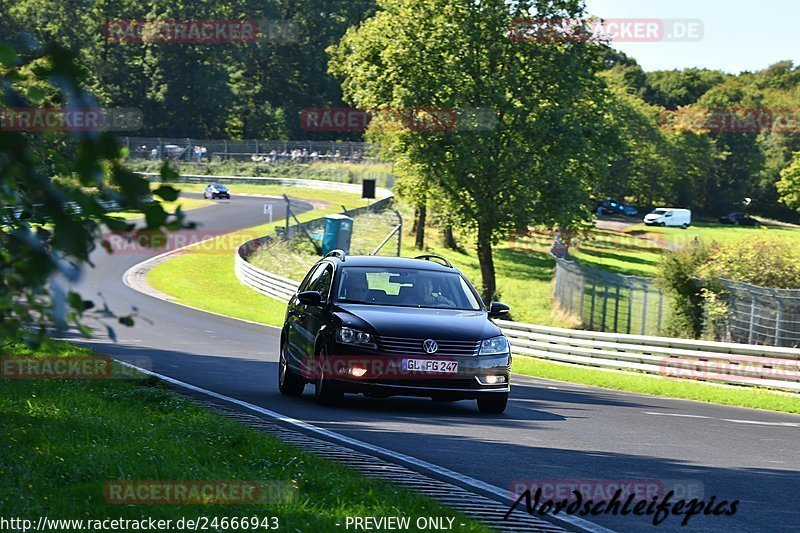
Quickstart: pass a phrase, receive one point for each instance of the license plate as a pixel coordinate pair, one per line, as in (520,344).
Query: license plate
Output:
(427,365)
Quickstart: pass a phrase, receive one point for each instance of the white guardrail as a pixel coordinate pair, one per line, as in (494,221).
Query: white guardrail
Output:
(719,362)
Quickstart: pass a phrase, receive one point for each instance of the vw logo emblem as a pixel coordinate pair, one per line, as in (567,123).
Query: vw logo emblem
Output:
(430,346)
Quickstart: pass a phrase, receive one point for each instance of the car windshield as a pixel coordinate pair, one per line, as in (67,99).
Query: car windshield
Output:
(219,186)
(406,287)
(659,212)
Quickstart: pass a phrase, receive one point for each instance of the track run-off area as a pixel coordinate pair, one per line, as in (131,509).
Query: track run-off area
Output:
(552,432)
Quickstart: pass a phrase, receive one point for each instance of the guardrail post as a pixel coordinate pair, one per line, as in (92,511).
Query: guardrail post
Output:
(778,320)
(660,309)
(571,291)
(286,228)
(644,310)
(630,308)
(605,306)
(751,332)
(399,233)
(582,282)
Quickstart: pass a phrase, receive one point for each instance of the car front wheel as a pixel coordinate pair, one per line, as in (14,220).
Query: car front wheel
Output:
(325,390)
(289,382)
(493,404)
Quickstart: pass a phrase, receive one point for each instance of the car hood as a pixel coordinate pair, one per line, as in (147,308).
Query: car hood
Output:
(416,323)
(652,216)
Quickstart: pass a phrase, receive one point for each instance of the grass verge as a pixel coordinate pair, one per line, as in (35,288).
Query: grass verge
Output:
(64,439)
(658,386)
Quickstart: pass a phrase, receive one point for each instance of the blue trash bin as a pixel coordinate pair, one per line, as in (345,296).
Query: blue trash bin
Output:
(338,230)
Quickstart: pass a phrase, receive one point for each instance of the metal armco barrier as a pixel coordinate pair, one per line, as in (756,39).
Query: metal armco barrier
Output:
(264,282)
(718,362)
(740,364)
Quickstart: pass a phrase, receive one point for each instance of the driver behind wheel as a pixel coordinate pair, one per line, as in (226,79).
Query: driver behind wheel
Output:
(430,295)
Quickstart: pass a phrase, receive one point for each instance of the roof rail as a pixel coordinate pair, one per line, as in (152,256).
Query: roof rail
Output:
(337,253)
(428,257)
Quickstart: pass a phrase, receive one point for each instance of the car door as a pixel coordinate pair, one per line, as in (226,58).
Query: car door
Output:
(313,317)
(296,333)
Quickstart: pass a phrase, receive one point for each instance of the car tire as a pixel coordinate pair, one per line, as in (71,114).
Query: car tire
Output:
(325,391)
(289,382)
(684,226)
(493,404)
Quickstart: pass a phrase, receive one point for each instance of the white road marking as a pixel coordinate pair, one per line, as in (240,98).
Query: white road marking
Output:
(759,423)
(419,463)
(675,414)
(733,420)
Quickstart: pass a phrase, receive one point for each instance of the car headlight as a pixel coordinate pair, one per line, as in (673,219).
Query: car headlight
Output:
(354,337)
(494,346)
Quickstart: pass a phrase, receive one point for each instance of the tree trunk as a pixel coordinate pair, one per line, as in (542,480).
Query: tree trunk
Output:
(416,221)
(449,239)
(419,243)
(489,288)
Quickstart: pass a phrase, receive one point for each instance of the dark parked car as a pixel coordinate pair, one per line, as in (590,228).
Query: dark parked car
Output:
(385,326)
(216,190)
(739,219)
(614,207)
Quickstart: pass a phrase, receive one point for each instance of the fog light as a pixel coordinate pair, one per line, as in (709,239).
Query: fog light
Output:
(493,380)
(358,371)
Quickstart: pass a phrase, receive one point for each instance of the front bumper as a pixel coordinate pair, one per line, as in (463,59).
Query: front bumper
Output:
(384,376)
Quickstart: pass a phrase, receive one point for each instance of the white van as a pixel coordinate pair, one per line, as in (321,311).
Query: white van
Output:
(669,216)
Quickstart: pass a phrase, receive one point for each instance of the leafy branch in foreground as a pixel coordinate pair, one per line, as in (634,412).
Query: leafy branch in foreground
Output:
(55,188)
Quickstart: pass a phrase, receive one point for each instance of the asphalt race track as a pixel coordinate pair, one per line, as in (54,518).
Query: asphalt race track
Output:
(551,431)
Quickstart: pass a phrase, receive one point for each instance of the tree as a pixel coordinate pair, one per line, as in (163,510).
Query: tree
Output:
(534,148)
(52,188)
(789,185)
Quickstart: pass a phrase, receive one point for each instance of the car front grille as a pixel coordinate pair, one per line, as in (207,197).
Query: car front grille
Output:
(447,348)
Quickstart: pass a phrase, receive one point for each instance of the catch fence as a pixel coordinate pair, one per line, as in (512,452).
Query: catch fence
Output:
(272,151)
(604,301)
(762,315)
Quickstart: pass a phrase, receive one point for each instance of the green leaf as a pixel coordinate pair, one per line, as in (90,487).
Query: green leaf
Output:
(8,57)
(36,94)
(167,193)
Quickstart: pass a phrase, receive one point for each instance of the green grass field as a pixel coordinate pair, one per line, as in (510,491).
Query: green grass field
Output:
(64,439)
(637,250)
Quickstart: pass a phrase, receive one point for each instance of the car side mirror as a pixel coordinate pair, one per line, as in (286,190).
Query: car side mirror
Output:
(498,310)
(310,298)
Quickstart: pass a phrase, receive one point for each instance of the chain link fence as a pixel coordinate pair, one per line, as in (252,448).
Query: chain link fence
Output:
(604,301)
(761,315)
(272,151)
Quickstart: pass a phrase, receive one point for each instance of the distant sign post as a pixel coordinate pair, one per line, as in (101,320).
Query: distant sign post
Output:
(268,211)
(368,189)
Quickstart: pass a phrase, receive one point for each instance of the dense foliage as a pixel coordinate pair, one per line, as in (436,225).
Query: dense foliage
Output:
(691,278)
(52,189)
